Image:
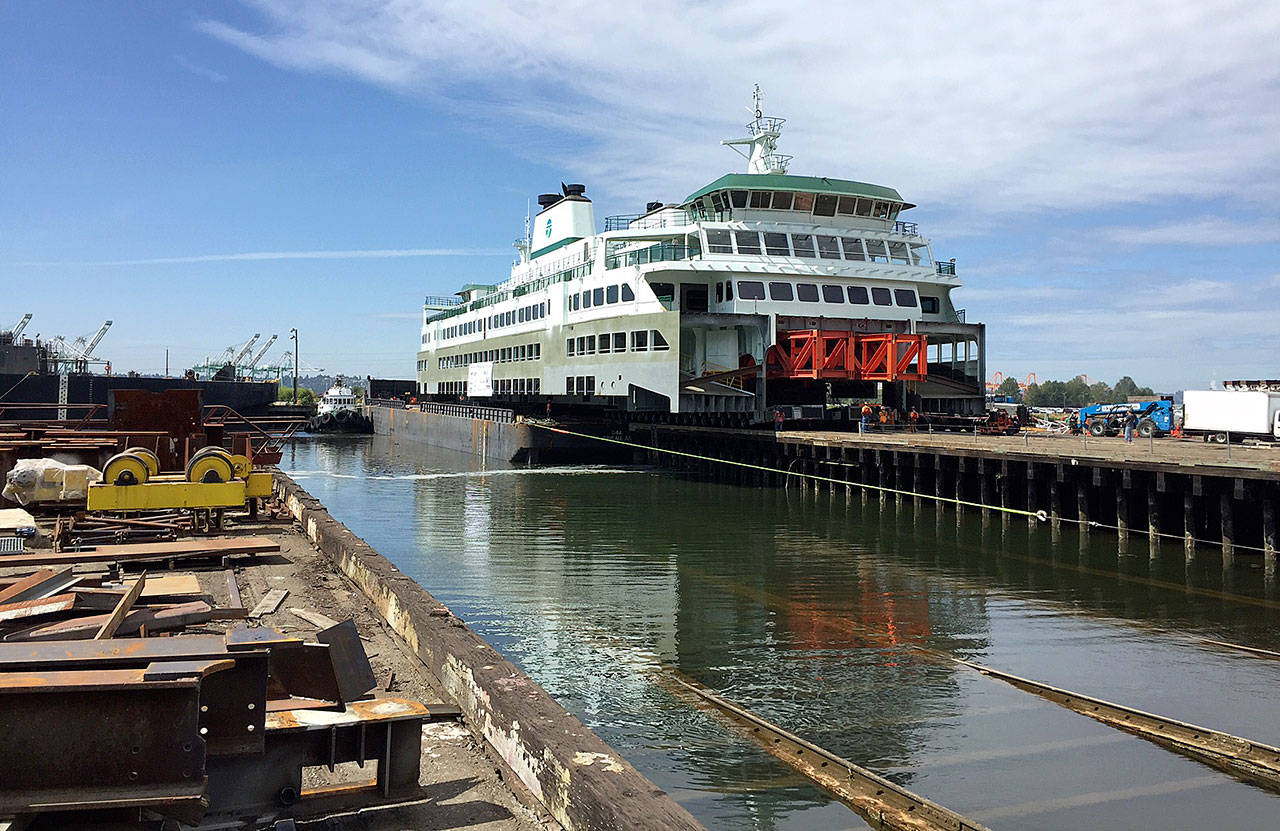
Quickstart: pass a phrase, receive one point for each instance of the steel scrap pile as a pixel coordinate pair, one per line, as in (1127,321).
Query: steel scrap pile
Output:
(100,727)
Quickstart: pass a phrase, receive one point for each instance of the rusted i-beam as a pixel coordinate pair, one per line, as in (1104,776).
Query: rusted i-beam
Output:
(1244,758)
(882,803)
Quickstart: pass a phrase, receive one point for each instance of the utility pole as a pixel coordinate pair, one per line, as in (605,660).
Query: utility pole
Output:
(294,333)
(166,363)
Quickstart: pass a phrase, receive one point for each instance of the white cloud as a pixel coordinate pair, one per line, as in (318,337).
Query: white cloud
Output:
(359,254)
(197,69)
(993,106)
(1200,231)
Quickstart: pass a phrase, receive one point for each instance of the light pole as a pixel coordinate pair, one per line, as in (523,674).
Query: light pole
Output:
(294,334)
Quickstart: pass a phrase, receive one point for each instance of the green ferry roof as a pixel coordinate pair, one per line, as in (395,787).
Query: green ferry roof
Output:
(804,184)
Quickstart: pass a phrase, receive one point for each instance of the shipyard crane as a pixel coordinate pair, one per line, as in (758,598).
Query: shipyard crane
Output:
(258,355)
(244,350)
(20,326)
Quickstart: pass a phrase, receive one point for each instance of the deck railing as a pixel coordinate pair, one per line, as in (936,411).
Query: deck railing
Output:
(947,269)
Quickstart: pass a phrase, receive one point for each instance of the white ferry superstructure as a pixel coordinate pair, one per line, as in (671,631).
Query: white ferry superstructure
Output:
(757,289)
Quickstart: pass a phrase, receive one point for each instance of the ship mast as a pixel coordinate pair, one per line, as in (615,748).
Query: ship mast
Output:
(763,140)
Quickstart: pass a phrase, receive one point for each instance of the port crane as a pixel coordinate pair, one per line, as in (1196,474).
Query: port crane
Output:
(244,350)
(258,355)
(74,357)
(19,327)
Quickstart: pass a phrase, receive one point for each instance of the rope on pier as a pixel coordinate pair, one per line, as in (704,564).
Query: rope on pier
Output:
(950,500)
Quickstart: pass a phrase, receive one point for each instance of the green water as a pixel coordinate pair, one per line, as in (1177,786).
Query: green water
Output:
(597,581)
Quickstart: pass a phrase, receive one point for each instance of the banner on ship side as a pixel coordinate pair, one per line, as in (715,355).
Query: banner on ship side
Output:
(480,380)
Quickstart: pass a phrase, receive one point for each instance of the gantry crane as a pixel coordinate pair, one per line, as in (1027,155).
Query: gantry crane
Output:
(16,331)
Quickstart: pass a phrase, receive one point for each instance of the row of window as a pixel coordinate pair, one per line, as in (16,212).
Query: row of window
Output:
(816,246)
(501,386)
(601,296)
(643,340)
(810,293)
(818,204)
(580,385)
(505,355)
(524,314)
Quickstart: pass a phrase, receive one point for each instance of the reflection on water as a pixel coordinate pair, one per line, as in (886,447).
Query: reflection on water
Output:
(801,607)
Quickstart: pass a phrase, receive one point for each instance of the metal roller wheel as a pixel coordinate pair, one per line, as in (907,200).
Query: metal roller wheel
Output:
(241,466)
(126,469)
(152,460)
(209,468)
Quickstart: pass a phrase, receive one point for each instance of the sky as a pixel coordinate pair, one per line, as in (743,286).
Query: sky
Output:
(1106,175)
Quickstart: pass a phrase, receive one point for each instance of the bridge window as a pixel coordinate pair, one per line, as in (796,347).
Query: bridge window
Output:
(719,241)
(803,202)
(748,242)
(775,244)
(846,205)
(828,247)
(853,248)
(760,198)
(627,294)
(807,293)
(824,204)
(782,200)
(920,255)
(659,342)
(881,210)
(832,294)
(738,198)
(864,207)
(750,290)
(905,297)
(881,297)
(876,252)
(611,294)
(803,244)
(898,253)
(777,291)
(858,295)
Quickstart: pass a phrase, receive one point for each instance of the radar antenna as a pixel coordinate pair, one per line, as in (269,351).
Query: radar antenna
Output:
(762,140)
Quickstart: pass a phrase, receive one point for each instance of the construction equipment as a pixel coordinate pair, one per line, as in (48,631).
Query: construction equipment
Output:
(213,479)
(1155,418)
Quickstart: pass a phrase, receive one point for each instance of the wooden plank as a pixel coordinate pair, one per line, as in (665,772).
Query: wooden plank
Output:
(135,552)
(182,587)
(315,618)
(268,604)
(113,621)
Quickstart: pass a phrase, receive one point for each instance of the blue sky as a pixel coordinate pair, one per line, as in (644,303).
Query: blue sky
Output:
(1106,175)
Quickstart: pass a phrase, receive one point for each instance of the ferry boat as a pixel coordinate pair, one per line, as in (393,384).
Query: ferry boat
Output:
(758,289)
(339,412)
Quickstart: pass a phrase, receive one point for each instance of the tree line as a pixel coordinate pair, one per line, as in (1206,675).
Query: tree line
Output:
(1073,393)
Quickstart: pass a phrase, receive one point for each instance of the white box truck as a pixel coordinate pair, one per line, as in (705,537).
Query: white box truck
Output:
(1219,415)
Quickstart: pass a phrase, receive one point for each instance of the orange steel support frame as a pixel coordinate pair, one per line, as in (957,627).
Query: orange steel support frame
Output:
(819,354)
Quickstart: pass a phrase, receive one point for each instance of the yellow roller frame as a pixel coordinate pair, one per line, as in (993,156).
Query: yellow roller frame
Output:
(152,460)
(126,469)
(173,491)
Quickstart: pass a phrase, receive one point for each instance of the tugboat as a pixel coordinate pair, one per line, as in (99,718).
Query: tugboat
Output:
(338,413)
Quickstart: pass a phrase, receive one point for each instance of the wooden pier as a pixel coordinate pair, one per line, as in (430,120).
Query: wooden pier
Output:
(1164,488)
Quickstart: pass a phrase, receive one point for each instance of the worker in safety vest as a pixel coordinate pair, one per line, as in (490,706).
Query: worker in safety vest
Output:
(913,419)
(866,417)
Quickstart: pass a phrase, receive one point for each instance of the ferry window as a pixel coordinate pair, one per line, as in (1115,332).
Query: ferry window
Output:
(779,291)
(511,318)
(748,242)
(659,342)
(876,252)
(846,205)
(881,297)
(920,255)
(573,303)
(824,205)
(775,244)
(858,295)
(524,353)
(803,202)
(627,294)
(929,305)
(570,385)
(717,201)
(881,210)
(605,342)
(852,248)
(718,241)
(739,198)
(537,351)
(597,297)
(582,345)
(719,292)
(803,244)
(665,292)
(568,347)
(591,385)
(905,297)
(619,341)
(782,200)
(611,294)
(728,290)
(586,299)
(807,293)
(640,341)
(750,290)
(828,247)
(520,315)
(591,344)
(760,198)
(832,294)
(864,207)
(898,253)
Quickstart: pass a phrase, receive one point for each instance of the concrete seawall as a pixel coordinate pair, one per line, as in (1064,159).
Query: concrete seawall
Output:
(581,781)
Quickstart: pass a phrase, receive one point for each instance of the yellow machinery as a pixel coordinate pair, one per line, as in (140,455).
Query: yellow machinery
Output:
(214,478)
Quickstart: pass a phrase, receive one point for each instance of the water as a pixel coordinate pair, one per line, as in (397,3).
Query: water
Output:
(600,582)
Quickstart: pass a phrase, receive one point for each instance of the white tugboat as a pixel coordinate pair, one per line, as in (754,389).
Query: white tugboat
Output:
(339,412)
(758,289)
